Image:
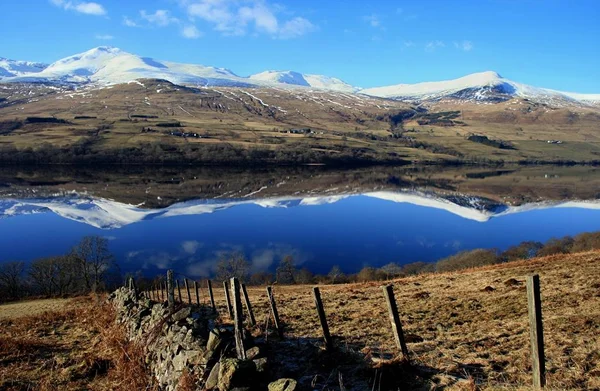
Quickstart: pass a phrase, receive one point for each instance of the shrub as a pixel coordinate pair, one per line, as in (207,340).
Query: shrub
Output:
(586,242)
(557,246)
(524,250)
(468,259)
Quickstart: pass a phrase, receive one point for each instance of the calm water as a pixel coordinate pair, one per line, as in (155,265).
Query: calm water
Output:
(350,227)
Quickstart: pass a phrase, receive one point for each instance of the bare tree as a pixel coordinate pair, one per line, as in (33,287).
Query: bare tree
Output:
(94,259)
(11,278)
(55,275)
(391,270)
(286,270)
(232,265)
(336,274)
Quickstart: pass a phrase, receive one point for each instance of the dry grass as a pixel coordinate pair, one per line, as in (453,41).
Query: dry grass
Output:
(73,348)
(473,324)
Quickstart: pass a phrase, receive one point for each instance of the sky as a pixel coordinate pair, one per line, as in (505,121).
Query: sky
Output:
(552,44)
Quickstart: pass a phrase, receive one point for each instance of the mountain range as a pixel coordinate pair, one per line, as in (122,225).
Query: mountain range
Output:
(104,66)
(108,214)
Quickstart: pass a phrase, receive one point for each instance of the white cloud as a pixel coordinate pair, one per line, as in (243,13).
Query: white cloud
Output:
(191,32)
(104,37)
(159,18)
(129,23)
(88,8)
(373,20)
(464,45)
(190,246)
(295,28)
(409,44)
(433,45)
(236,17)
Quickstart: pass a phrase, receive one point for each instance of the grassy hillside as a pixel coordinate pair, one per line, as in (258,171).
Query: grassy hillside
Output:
(466,330)
(158,122)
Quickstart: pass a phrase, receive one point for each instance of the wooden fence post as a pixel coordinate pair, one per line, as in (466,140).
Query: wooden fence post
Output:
(197,294)
(274,311)
(178,291)
(536,331)
(228,299)
(238,316)
(322,318)
(170,289)
(162,291)
(212,298)
(251,318)
(388,292)
(187,288)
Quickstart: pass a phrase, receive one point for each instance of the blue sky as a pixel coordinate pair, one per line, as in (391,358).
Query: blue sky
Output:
(553,44)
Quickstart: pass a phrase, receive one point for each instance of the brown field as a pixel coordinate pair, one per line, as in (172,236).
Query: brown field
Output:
(466,330)
(473,324)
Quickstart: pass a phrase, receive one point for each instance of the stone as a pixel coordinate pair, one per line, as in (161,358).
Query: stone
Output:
(182,314)
(214,339)
(261,365)
(235,373)
(213,377)
(252,353)
(283,385)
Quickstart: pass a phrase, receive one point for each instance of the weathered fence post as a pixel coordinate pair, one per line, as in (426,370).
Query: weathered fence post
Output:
(251,318)
(238,317)
(178,291)
(536,331)
(322,319)
(197,294)
(133,287)
(274,311)
(212,298)
(170,289)
(228,299)
(187,288)
(162,291)
(388,292)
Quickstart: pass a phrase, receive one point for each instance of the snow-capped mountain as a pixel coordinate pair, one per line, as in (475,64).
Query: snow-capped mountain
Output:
(483,86)
(108,65)
(299,79)
(103,66)
(109,214)
(11,68)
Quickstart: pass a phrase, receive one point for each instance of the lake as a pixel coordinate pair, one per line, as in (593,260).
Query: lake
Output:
(186,218)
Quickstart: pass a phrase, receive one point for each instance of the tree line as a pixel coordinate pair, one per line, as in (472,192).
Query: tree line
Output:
(289,272)
(87,267)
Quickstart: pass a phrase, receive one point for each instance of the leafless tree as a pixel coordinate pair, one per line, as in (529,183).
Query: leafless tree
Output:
(11,278)
(55,275)
(286,270)
(232,265)
(94,259)
(336,274)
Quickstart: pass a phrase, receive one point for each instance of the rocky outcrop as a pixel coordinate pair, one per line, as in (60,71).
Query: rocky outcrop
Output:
(188,342)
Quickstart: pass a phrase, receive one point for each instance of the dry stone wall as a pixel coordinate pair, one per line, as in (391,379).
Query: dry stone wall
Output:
(187,342)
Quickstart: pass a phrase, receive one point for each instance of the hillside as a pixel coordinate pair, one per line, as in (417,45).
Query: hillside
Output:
(155,121)
(465,330)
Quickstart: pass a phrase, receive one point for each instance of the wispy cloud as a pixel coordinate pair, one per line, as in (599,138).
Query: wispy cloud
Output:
(190,246)
(104,37)
(466,46)
(190,32)
(129,22)
(160,18)
(233,17)
(431,46)
(88,8)
(373,20)
(409,44)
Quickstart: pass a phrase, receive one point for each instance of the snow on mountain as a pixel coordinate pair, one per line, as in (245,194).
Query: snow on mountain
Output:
(107,65)
(483,86)
(305,80)
(108,214)
(11,68)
